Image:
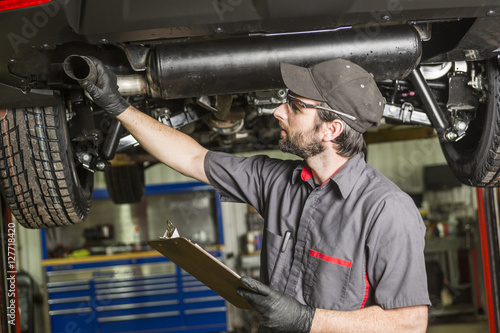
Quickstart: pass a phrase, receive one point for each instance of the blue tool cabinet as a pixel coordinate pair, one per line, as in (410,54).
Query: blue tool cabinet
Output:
(132,292)
(150,295)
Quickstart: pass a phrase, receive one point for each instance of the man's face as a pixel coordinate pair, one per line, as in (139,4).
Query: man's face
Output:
(300,131)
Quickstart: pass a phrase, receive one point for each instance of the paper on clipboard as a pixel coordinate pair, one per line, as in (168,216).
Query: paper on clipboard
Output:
(202,265)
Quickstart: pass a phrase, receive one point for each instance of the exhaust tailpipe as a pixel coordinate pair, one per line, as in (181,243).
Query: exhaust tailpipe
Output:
(81,68)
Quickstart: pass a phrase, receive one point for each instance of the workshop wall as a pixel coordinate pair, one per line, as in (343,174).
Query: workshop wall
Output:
(403,161)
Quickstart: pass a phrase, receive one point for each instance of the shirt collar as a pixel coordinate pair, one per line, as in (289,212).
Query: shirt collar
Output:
(303,172)
(344,178)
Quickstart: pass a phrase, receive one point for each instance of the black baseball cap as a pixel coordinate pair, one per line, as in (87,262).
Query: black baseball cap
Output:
(341,84)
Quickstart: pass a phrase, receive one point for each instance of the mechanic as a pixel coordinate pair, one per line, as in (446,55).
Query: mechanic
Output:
(343,246)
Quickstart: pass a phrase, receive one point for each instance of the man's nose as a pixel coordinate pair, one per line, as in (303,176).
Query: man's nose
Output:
(280,112)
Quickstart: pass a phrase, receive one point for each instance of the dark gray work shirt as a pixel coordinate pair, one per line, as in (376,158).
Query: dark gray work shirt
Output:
(355,241)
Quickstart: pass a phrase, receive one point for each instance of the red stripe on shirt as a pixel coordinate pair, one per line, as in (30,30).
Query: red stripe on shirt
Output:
(367,289)
(330,259)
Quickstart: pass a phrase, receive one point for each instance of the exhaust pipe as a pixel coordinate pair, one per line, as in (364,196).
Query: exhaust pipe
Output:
(81,68)
(226,66)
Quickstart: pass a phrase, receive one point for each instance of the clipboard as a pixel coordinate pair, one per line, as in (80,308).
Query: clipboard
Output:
(202,265)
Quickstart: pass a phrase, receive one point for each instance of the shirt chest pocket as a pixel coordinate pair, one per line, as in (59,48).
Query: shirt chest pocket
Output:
(326,280)
(279,258)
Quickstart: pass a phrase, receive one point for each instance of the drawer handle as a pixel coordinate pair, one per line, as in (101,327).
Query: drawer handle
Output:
(136,288)
(203,299)
(70,300)
(136,305)
(64,289)
(134,283)
(70,311)
(194,289)
(66,283)
(205,310)
(137,294)
(139,316)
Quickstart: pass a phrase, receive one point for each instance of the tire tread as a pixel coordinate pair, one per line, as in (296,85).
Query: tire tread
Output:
(34,174)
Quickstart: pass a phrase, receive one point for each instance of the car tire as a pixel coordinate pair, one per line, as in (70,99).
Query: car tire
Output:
(475,159)
(125,183)
(42,183)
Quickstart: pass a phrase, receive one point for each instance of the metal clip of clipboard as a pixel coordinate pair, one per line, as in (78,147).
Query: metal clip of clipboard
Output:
(171,231)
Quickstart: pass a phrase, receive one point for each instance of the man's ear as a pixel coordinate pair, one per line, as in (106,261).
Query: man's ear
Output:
(332,129)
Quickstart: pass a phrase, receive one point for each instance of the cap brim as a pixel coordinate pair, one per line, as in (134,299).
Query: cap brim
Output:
(299,80)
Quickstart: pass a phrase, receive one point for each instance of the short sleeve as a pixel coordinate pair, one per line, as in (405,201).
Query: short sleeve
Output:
(395,254)
(244,179)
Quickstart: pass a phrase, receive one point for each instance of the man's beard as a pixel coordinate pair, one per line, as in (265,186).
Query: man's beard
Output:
(302,144)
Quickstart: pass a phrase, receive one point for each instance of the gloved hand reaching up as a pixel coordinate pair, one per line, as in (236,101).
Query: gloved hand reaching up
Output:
(278,311)
(105,91)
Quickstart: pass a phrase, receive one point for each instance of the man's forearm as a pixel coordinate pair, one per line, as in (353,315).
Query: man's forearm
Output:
(175,149)
(372,319)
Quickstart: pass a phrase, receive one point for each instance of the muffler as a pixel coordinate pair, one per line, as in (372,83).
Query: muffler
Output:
(250,64)
(234,65)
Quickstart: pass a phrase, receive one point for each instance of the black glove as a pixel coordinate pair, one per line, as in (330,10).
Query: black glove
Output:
(278,311)
(105,91)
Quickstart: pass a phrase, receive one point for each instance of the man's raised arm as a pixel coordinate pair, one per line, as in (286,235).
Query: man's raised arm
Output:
(171,147)
(177,150)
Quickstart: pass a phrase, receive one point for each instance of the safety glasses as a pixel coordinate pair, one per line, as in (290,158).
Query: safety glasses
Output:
(292,99)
